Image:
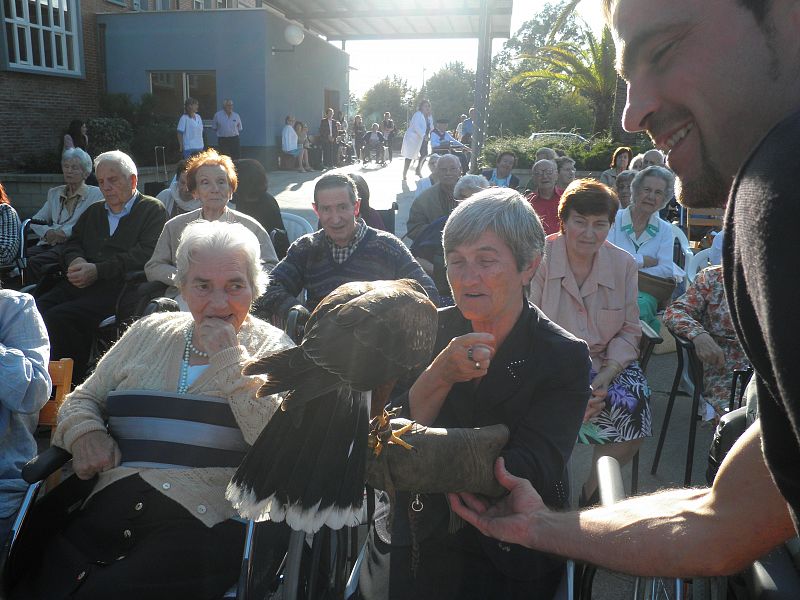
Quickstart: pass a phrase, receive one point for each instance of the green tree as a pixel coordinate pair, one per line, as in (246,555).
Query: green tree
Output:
(386,95)
(518,108)
(451,91)
(584,67)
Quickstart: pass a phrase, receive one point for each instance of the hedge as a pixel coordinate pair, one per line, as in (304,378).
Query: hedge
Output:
(596,156)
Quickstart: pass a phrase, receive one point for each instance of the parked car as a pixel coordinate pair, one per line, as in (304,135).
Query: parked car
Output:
(559,139)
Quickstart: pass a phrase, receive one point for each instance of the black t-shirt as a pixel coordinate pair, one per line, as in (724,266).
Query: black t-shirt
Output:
(762,283)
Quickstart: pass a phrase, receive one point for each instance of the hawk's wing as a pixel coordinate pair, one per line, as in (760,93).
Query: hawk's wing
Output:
(374,336)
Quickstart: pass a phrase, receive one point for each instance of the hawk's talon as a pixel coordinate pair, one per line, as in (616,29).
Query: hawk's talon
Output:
(382,433)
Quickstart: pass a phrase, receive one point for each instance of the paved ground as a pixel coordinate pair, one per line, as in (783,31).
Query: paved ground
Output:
(294,192)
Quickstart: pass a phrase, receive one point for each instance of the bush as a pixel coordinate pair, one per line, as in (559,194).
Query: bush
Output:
(158,133)
(109,133)
(48,161)
(594,157)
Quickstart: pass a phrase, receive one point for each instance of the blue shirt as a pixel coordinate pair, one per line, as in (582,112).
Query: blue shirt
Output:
(24,388)
(467,127)
(114,218)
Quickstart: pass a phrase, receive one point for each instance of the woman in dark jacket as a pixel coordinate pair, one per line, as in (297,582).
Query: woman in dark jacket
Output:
(498,359)
(252,199)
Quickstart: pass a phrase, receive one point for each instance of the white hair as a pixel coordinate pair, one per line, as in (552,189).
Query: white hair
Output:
(83,159)
(468,185)
(121,160)
(219,237)
(654,171)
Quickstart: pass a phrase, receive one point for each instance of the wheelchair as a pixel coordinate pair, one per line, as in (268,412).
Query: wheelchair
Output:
(306,568)
(376,152)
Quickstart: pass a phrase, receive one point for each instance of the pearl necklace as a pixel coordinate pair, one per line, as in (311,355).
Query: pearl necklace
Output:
(188,349)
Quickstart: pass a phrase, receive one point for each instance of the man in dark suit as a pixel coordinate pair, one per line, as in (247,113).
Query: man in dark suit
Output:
(110,239)
(328,130)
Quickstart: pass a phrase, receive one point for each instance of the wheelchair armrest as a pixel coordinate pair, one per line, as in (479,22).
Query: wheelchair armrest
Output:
(612,489)
(45,464)
(773,577)
(295,322)
(134,276)
(731,426)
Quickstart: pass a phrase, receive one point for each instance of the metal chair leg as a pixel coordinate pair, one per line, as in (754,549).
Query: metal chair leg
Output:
(663,435)
(697,378)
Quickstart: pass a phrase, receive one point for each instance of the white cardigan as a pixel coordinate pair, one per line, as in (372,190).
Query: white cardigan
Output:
(656,241)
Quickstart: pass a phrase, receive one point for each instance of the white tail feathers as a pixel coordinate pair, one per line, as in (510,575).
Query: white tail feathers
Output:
(310,520)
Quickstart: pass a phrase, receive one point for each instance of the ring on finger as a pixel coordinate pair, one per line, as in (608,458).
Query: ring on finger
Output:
(470,358)
(477,365)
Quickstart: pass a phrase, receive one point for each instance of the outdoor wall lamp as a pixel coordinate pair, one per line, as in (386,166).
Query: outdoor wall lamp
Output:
(294,36)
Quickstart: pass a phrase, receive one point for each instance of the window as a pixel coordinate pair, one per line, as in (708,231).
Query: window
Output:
(153,5)
(171,88)
(42,35)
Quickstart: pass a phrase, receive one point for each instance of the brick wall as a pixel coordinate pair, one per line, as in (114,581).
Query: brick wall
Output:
(29,191)
(35,110)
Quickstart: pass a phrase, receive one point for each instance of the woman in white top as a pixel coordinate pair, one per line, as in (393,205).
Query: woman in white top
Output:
(190,129)
(642,233)
(418,130)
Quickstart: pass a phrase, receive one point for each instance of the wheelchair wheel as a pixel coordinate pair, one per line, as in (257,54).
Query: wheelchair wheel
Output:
(658,588)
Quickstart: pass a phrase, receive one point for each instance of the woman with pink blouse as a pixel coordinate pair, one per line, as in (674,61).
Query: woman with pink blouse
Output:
(588,286)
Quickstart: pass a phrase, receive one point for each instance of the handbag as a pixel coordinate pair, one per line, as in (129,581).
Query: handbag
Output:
(660,288)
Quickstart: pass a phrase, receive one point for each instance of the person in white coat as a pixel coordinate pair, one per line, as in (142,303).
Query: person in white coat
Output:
(416,135)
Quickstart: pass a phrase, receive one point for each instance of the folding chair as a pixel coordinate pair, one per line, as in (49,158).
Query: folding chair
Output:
(61,375)
(696,373)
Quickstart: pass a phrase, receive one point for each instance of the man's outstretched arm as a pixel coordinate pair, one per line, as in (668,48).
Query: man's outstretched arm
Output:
(683,532)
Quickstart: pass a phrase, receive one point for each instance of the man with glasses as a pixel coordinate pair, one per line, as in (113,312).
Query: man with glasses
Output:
(438,200)
(544,197)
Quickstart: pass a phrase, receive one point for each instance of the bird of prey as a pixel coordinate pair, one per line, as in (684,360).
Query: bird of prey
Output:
(307,465)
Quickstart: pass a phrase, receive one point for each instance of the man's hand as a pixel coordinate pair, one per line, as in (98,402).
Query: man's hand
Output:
(510,519)
(708,350)
(94,452)
(81,274)
(214,335)
(54,236)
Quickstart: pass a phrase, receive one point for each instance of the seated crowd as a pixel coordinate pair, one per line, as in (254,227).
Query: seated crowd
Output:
(562,263)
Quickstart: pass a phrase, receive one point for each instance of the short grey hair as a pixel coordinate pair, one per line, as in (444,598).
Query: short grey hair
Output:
(121,160)
(505,212)
(80,155)
(654,171)
(625,177)
(432,160)
(219,237)
(467,185)
(448,157)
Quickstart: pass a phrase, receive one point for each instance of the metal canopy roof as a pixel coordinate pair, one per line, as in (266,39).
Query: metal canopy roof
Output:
(396,19)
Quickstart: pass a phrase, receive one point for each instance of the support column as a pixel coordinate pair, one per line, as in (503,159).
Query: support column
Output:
(482,74)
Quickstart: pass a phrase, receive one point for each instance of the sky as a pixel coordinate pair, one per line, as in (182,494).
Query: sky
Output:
(416,60)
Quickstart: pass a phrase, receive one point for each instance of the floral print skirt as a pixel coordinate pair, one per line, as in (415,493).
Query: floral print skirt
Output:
(626,415)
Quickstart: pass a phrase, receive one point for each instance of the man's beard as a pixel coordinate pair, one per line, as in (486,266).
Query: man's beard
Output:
(708,191)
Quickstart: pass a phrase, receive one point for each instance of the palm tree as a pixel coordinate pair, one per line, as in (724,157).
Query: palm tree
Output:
(587,68)
(617,132)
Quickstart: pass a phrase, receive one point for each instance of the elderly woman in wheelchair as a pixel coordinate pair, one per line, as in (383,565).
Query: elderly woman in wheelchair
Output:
(160,426)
